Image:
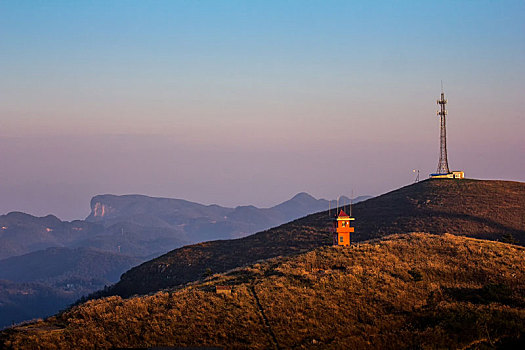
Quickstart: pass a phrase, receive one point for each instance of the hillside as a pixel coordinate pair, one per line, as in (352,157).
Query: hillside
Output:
(404,291)
(484,209)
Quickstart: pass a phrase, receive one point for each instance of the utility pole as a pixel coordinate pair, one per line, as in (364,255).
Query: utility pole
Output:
(417,177)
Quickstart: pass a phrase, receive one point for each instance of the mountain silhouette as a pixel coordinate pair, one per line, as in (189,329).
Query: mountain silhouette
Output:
(195,222)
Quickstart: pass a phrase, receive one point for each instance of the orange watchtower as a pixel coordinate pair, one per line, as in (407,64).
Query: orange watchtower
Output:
(342,229)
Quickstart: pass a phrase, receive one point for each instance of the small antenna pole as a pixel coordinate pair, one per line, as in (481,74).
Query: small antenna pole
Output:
(329,205)
(351,198)
(417,176)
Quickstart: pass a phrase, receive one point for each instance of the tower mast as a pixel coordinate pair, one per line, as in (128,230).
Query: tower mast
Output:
(443,161)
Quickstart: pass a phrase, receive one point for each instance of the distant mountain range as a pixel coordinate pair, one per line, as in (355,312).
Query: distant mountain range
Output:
(22,233)
(143,226)
(195,222)
(71,259)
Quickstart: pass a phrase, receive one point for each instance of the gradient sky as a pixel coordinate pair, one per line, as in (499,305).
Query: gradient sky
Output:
(250,102)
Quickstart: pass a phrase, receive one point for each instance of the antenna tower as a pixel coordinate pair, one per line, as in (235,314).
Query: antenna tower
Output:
(443,161)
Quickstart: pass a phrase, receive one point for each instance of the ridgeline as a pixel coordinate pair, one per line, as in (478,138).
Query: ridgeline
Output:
(493,210)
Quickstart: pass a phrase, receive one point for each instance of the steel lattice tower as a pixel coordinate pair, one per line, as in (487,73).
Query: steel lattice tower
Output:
(443,161)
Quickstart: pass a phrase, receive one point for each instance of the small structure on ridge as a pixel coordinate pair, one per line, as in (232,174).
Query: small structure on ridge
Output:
(342,229)
(223,290)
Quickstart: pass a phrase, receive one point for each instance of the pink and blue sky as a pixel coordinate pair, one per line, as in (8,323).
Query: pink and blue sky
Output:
(250,102)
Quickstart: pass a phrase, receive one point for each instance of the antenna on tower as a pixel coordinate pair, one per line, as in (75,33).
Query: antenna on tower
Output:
(442,113)
(443,171)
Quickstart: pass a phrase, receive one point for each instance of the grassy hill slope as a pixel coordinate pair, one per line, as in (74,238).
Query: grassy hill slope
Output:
(476,208)
(484,209)
(404,291)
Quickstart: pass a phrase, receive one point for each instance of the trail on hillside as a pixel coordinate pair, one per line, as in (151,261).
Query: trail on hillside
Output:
(264,318)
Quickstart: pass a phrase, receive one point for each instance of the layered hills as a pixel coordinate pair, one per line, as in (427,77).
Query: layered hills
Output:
(493,210)
(44,256)
(143,226)
(402,291)
(23,233)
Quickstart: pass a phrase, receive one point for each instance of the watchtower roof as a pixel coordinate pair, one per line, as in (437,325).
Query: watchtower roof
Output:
(342,213)
(342,216)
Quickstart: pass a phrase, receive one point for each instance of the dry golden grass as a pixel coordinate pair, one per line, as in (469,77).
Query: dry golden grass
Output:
(404,291)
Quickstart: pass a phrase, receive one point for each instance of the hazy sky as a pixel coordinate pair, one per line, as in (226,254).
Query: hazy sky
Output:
(250,102)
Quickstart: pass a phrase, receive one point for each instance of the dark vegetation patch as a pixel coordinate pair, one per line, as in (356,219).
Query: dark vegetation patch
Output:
(489,293)
(480,326)
(415,274)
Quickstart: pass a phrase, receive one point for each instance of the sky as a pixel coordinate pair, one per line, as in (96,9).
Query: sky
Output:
(251,102)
